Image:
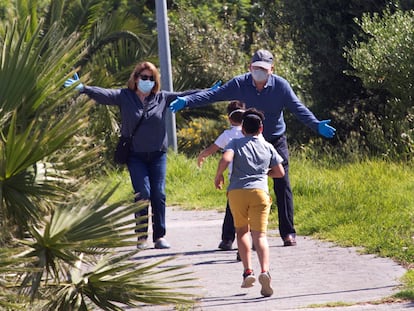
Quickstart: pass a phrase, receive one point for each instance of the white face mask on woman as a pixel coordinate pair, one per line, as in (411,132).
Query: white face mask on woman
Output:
(259,75)
(145,86)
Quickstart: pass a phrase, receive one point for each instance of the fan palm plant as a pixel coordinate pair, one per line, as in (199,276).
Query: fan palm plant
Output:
(79,258)
(61,247)
(10,265)
(33,67)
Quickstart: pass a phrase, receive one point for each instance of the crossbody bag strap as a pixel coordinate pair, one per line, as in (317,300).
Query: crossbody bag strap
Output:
(136,126)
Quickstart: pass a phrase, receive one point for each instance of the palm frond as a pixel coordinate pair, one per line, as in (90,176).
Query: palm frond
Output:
(32,72)
(123,282)
(21,184)
(79,247)
(12,264)
(75,228)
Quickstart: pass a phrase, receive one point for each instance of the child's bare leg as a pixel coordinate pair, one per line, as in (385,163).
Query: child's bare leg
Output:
(262,249)
(243,244)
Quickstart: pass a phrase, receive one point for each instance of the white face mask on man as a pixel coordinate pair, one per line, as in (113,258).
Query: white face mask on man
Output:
(259,75)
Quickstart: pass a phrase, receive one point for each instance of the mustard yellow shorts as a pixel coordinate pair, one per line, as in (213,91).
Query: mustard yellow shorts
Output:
(250,207)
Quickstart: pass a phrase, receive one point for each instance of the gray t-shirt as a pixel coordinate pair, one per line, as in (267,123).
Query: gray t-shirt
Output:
(252,159)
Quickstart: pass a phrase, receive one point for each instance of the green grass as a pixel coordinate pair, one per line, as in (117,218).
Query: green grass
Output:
(191,187)
(367,204)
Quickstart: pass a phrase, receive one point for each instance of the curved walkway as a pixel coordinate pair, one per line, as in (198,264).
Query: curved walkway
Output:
(313,273)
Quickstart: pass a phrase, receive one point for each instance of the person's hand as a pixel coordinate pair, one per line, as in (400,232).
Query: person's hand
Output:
(326,130)
(178,104)
(75,79)
(200,160)
(219,181)
(216,86)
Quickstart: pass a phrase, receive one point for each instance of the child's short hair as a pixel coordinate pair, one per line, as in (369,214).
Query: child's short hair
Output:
(252,120)
(235,110)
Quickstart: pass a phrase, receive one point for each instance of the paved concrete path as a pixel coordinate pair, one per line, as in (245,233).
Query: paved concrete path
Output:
(311,273)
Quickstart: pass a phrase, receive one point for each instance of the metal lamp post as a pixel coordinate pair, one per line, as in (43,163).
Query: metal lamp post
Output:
(165,65)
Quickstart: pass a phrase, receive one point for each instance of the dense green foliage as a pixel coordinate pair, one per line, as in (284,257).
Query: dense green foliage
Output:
(308,40)
(385,64)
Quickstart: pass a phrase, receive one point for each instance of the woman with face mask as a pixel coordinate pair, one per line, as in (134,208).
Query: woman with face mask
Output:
(143,101)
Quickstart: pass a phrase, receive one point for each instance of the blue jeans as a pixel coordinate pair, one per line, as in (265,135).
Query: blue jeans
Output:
(148,171)
(283,191)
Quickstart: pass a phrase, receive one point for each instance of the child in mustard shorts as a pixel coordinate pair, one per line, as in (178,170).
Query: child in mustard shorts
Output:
(253,160)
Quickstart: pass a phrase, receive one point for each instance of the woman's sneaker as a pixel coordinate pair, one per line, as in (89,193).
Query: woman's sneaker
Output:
(248,279)
(142,243)
(161,243)
(264,280)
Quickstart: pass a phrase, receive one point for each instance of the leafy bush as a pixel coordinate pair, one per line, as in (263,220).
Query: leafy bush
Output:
(385,64)
(202,56)
(386,59)
(200,133)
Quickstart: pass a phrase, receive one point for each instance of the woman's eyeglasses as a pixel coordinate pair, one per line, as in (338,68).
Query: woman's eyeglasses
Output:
(145,77)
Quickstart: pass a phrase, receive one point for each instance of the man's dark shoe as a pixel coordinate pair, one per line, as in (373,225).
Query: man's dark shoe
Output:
(289,240)
(226,245)
(238,258)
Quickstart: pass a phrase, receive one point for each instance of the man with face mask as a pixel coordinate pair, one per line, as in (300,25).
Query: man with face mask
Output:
(271,94)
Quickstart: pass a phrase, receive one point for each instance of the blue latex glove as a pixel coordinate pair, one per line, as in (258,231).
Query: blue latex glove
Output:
(216,86)
(75,79)
(178,104)
(326,130)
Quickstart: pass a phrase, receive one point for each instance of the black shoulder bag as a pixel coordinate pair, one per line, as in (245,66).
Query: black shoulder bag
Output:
(124,145)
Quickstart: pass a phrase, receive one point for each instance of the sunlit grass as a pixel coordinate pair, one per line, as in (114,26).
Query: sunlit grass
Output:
(366,204)
(191,187)
(408,291)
